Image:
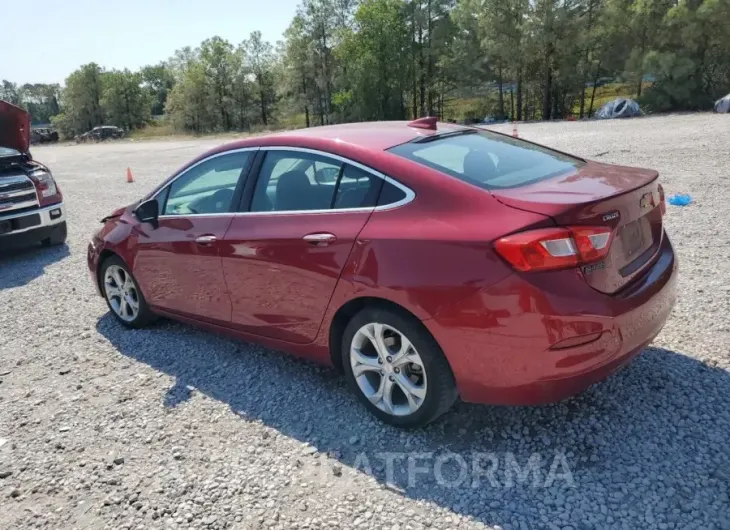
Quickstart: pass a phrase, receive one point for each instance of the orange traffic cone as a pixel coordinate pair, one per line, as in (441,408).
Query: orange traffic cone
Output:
(130,178)
(514,130)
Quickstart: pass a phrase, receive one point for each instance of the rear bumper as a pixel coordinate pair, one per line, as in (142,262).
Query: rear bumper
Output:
(500,342)
(30,227)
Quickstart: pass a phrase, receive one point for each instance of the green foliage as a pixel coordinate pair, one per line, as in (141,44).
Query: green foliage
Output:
(190,102)
(376,56)
(96,97)
(126,104)
(352,60)
(221,88)
(39,99)
(81,101)
(158,80)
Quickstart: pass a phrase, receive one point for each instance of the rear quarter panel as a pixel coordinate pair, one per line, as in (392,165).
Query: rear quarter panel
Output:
(434,251)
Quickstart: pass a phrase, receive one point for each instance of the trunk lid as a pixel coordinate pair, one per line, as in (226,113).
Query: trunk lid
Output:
(624,198)
(14,127)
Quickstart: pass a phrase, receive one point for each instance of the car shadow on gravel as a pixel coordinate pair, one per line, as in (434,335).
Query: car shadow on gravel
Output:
(20,266)
(649,445)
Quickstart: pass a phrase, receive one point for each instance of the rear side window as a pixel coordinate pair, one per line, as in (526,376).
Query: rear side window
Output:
(487,159)
(357,189)
(390,194)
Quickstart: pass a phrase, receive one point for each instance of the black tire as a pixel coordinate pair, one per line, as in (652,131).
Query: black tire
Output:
(58,237)
(440,389)
(144,316)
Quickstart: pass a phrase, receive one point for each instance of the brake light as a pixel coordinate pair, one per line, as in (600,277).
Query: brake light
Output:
(662,200)
(555,248)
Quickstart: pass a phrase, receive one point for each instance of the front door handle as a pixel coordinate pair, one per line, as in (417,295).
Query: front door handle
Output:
(321,239)
(206,240)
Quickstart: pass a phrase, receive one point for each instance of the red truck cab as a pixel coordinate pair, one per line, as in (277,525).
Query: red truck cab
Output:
(31,203)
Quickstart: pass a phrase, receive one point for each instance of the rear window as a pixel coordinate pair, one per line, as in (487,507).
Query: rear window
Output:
(488,160)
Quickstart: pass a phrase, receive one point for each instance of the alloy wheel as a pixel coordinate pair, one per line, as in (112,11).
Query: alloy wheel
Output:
(121,293)
(388,369)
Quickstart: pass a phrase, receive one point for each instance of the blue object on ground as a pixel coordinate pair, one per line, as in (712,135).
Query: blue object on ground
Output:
(680,199)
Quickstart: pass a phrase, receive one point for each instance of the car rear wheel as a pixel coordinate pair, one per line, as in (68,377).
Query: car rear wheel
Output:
(123,295)
(396,368)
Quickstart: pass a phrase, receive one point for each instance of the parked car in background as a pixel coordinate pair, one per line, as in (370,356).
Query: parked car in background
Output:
(31,203)
(100,133)
(83,137)
(425,260)
(492,120)
(43,135)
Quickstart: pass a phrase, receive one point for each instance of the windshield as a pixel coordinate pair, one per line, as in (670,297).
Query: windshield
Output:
(487,159)
(6,151)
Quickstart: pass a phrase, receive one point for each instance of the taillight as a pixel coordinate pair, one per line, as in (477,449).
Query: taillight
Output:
(662,200)
(555,248)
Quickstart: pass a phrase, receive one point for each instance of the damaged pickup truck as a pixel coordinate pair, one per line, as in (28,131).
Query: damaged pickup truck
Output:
(31,203)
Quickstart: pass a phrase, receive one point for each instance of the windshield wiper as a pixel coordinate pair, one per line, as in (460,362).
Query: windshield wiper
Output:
(434,137)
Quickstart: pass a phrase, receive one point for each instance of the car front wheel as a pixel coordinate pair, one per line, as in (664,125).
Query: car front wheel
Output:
(123,295)
(396,368)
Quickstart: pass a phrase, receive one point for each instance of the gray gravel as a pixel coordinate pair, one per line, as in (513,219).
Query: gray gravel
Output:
(173,427)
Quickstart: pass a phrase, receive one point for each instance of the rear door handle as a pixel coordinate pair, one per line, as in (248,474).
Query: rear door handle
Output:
(206,240)
(321,239)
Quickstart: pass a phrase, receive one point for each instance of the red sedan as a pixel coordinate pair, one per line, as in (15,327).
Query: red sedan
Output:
(425,260)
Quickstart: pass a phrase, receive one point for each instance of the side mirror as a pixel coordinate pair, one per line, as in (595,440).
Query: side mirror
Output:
(148,212)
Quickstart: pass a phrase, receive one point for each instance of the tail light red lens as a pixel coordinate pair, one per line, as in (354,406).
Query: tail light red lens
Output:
(555,248)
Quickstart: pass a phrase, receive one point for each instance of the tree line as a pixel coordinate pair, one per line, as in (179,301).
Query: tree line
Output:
(350,60)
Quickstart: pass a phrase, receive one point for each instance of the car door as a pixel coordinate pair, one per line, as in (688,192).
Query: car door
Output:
(178,263)
(283,257)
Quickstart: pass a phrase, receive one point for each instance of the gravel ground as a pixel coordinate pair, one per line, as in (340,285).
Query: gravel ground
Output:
(172,427)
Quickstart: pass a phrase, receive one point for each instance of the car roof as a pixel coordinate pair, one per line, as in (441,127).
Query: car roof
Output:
(377,135)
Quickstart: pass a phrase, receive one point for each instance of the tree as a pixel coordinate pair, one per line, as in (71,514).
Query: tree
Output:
(125,103)
(11,93)
(376,53)
(351,60)
(189,104)
(297,72)
(242,90)
(216,56)
(81,101)
(259,59)
(158,80)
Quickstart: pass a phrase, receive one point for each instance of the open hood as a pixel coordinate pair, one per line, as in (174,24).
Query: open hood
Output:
(14,127)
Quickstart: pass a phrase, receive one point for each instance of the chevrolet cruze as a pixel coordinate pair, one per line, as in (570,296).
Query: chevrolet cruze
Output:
(427,261)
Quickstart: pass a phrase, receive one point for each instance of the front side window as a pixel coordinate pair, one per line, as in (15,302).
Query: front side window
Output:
(488,160)
(207,188)
(295,181)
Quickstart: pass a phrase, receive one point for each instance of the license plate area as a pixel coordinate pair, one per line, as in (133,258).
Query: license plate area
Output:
(19,223)
(632,240)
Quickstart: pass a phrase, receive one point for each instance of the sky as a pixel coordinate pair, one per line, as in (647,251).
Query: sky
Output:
(51,38)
